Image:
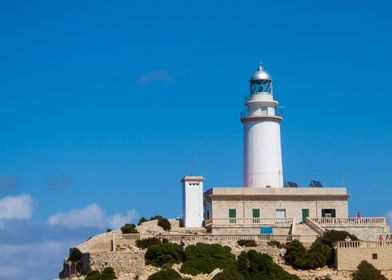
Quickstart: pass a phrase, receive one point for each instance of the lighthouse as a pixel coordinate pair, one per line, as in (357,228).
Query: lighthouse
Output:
(262,147)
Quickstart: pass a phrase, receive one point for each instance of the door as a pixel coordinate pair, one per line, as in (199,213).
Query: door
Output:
(280,213)
(305,214)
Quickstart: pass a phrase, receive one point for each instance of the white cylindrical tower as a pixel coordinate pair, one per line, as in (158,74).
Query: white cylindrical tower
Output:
(262,149)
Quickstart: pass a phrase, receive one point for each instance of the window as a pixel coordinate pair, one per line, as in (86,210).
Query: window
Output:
(374,256)
(256,216)
(328,213)
(232,216)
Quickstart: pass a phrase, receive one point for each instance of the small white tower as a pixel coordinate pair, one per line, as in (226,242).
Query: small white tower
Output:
(192,199)
(262,149)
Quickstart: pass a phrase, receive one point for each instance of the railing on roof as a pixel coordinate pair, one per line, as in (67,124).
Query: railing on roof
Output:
(363,244)
(223,237)
(250,221)
(350,221)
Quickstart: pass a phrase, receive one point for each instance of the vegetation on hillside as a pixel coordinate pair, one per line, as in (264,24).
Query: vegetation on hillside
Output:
(106,274)
(252,265)
(148,242)
(319,254)
(166,274)
(162,222)
(367,271)
(129,228)
(204,258)
(75,256)
(165,254)
(247,243)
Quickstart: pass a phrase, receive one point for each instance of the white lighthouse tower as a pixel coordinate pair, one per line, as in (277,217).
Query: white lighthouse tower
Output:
(262,149)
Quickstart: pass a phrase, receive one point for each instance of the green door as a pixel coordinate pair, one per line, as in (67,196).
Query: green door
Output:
(233,216)
(305,214)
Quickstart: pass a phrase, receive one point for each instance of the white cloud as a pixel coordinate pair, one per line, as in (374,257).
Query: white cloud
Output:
(16,207)
(19,261)
(156,76)
(91,216)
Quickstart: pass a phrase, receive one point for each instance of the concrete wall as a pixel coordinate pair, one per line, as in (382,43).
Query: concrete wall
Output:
(220,209)
(349,258)
(363,232)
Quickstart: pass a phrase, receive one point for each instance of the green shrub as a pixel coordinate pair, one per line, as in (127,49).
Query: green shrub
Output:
(253,265)
(247,243)
(331,236)
(323,278)
(367,271)
(106,274)
(277,244)
(93,275)
(75,256)
(129,228)
(156,217)
(142,220)
(229,273)
(164,254)
(297,255)
(166,274)
(204,258)
(148,242)
(164,223)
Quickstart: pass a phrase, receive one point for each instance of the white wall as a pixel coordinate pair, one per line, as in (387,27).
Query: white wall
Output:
(262,154)
(192,202)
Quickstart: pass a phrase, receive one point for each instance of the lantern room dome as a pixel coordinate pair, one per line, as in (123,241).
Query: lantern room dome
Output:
(260,75)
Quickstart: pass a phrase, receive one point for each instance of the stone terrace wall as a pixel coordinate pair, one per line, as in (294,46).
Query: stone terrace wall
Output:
(350,254)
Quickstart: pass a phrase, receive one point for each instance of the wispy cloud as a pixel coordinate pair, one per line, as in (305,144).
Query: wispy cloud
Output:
(16,207)
(8,183)
(91,216)
(156,76)
(60,183)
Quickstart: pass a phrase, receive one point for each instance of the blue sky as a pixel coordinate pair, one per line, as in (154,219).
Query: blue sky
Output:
(104,103)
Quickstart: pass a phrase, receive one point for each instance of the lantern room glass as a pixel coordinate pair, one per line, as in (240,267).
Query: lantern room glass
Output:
(260,86)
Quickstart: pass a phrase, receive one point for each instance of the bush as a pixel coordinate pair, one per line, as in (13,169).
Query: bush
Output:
(277,244)
(129,228)
(230,273)
(93,275)
(247,243)
(148,242)
(254,265)
(156,217)
(75,256)
(164,254)
(166,274)
(204,258)
(164,223)
(367,271)
(106,274)
(142,220)
(331,236)
(297,255)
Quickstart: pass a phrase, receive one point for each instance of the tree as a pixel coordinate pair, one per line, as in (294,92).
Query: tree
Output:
(129,228)
(367,271)
(230,273)
(166,274)
(164,254)
(253,265)
(75,256)
(204,258)
(164,223)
